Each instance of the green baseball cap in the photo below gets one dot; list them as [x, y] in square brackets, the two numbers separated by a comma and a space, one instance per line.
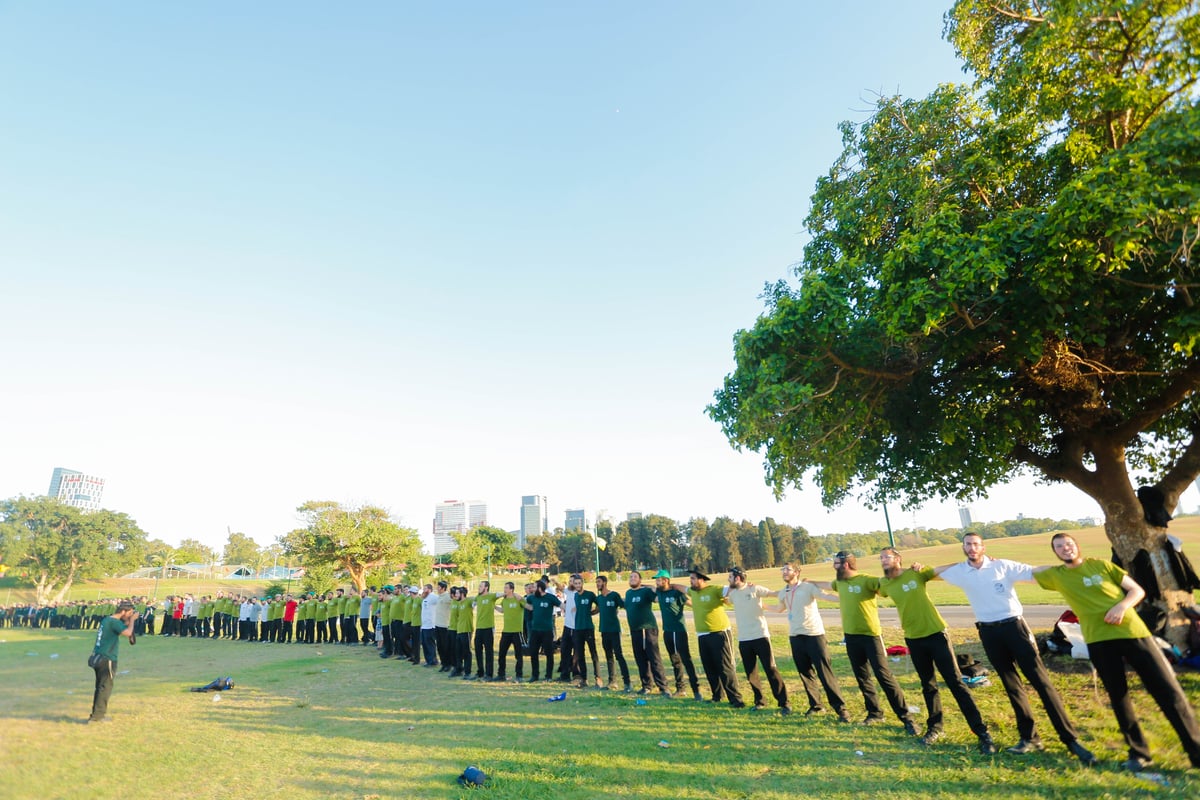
[662, 573]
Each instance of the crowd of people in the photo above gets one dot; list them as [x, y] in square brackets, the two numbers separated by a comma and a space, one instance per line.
[445, 627]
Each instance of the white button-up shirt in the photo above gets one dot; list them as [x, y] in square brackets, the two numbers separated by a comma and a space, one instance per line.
[989, 588]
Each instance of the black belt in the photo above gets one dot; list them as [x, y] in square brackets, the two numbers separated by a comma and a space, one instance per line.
[997, 623]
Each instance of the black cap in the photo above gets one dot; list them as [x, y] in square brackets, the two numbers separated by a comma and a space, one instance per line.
[737, 572]
[696, 571]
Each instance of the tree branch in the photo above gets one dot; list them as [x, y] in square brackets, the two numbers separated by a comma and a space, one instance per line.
[1186, 382]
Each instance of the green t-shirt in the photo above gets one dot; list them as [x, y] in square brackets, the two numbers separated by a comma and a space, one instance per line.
[918, 616]
[455, 608]
[856, 596]
[464, 621]
[585, 604]
[321, 611]
[108, 637]
[1091, 589]
[485, 610]
[414, 610]
[609, 603]
[639, 609]
[708, 609]
[385, 611]
[514, 613]
[671, 604]
[543, 611]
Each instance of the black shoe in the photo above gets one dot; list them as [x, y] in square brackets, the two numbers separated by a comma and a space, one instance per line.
[844, 717]
[1136, 764]
[759, 706]
[873, 720]
[785, 711]
[665, 693]
[737, 704]
[986, 746]
[696, 695]
[910, 728]
[1027, 746]
[813, 711]
[1082, 753]
[931, 736]
[643, 690]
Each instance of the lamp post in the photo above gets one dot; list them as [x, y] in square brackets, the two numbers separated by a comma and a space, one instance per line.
[887, 521]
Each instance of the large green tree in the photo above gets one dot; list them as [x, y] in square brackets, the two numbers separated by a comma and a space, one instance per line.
[241, 549]
[1000, 278]
[350, 539]
[58, 544]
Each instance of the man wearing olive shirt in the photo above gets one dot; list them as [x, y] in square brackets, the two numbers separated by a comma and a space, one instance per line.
[463, 628]
[671, 602]
[385, 622]
[609, 603]
[512, 623]
[415, 599]
[929, 647]
[541, 628]
[864, 641]
[714, 639]
[484, 605]
[643, 630]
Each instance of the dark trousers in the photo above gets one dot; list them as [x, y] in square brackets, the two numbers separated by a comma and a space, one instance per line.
[364, 627]
[285, 630]
[512, 640]
[310, 628]
[1010, 645]
[105, 671]
[566, 663]
[585, 638]
[811, 656]
[752, 653]
[387, 639]
[429, 639]
[443, 647]
[485, 659]
[541, 642]
[716, 655]
[866, 656]
[935, 651]
[462, 653]
[680, 654]
[331, 634]
[1110, 659]
[648, 658]
[611, 642]
[414, 643]
[349, 632]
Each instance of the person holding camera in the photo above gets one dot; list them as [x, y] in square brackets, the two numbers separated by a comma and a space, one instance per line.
[104, 655]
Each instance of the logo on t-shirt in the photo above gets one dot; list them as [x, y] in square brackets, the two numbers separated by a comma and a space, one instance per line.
[999, 587]
[852, 589]
[911, 586]
[1093, 580]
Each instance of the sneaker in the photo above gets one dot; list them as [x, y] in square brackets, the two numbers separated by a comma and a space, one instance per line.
[472, 677]
[518, 679]
[583, 684]
[696, 695]
[813, 711]
[735, 704]
[1136, 764]
[643, 690]
[600, 684]
[785, 711]
[986, 746]
[628, 688]
[910, 727]
[844, 717]
[1082, 753]
[931, 736]
[1026, 746]
[680, 693]
[873, 720]
[759, 706]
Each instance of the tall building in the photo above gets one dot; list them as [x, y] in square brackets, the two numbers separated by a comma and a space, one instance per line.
[632, 515]
[964, 517]
[575, 521]
[533, 518]
[76, 489]
[455, 516]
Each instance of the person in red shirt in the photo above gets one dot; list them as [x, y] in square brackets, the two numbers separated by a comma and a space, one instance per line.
[289, 617]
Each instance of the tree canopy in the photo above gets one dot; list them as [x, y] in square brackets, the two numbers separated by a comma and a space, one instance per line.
[351, 539]
[999, 277]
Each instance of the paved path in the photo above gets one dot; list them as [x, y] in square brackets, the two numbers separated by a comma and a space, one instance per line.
[1040, 618]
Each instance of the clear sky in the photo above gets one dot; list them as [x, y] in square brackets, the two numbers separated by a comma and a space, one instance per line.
[398, 253]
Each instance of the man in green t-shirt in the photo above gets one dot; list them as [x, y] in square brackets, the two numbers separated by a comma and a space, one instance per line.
[714, 639]
[864, 641]
[671, 602]
[512, 622]
[643, 631]
[104, 655]
[929, 647]
[610, 631]
[585, 634]
[484, 605]
[541, 627]
[1103, 596]
[464, 626]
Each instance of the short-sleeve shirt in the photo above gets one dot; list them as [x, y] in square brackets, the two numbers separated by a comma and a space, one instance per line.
[804, 616]
[639, 609]
[989, 589]
[609, 603]
[748, 611]
[585, 601]
[485, 610]
[514, 613]
[1091, 589]
[108, 638]
[708, 609]
[671, 603]
[918, 616]
[856, 597]
[543, 611]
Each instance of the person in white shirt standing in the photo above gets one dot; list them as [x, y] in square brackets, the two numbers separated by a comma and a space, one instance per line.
[754, 639]
[806, 635]
[566, 664]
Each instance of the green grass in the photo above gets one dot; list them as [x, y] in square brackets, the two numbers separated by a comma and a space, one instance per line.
[327, 721]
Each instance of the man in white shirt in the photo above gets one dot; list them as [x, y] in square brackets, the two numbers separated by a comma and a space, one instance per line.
[754, 639]
[806, 635]
[429, 640]
[566, 664]
[1009, 644]
[441, 625]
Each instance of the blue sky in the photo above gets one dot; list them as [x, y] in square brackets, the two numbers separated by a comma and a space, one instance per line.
[256, 254]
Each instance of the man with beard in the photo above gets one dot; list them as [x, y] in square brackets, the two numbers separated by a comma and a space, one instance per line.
[754, 639]
[429, 636]
[714, 640]
[541, 628]
[806, 635]
[512, 623]
[643, 630]
[608, 604]
[671, 602]
[929, 647]
[585, 634]
[864, 641]
[1009, 644]
[441, 624]
[566, 663]
[484, 605]
[1103, 596]
[104, 656]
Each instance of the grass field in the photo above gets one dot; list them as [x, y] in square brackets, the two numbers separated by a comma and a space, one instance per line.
[330, 721]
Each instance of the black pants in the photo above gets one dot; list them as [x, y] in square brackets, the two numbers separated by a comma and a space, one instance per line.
[611, 642]
[414, 643]
[484, 643]
[364, 627]
[811, 656]
[648, 658]
[512, 640]
[310, 628]
[332, 632]
[681, 659]
[1010, 645]
[716, 655]
[566, 663]
[1110, 658]
[285, 630]
[541, 642]
[585, 637]
[387, 639]
[866, 656]
[429, 641]
[443, 647]
[935, 651]
[105, 672]
[753, 652]
[462, 653]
